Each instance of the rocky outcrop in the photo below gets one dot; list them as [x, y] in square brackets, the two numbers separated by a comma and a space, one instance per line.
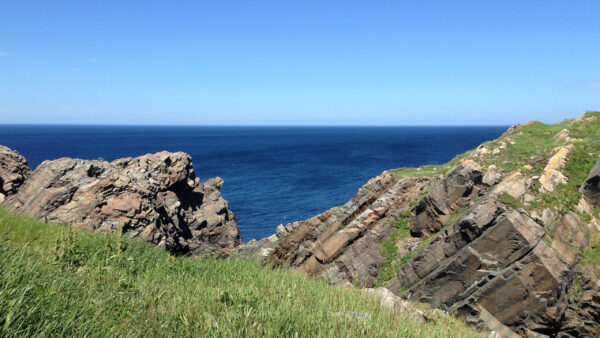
[343, 245]
[492, 241]
[156, 197]
[591, 186]
[459, 187]
[13, 172]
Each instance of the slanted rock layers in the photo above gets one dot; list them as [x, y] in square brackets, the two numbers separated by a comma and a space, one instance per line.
[342, 245]
[156, 197]
[504, 239]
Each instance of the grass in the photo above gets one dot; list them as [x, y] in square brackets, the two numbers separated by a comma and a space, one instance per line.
[510, 201]
[591, 255]
[390, 250]
[60, 282]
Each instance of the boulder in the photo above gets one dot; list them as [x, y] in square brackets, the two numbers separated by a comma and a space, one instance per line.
[156, 197]
[13, 172]
[591, 186]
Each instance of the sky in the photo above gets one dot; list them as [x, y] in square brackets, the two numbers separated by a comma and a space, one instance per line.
[298, 62]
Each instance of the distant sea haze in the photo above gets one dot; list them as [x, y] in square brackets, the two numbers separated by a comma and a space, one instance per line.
[272, 175]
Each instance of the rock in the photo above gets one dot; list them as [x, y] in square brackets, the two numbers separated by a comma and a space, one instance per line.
[343, 244]
[591, 186]
[458, 188]
[492, 176]
[156, 197]
[488, 280]
[13, 172]
[552, 175]
[515, 184]
[389, 300]
[353, 315]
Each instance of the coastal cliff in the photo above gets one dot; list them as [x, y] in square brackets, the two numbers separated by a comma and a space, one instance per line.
[155, 197]
[504, 236]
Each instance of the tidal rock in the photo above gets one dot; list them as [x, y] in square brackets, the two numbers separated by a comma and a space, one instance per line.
[13, 172]
[591, 186]
[156, 197]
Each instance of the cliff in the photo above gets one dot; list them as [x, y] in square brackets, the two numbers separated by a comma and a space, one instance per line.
[155, 197]
[504, 236]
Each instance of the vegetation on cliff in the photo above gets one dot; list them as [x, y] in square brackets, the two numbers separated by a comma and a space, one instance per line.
[60, 282]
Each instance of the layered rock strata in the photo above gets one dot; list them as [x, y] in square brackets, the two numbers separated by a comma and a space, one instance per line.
[473, 251]
[342, 245]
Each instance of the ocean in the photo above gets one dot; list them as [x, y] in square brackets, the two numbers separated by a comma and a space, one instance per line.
[272, 175]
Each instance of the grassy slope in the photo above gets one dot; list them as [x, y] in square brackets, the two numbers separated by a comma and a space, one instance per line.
[49, 287]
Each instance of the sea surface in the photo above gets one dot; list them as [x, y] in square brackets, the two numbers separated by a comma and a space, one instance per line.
[272, 175]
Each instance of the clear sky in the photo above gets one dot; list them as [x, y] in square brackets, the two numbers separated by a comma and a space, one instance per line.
[298, 62]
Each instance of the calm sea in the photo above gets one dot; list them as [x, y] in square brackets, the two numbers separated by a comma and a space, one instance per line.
[272, 175]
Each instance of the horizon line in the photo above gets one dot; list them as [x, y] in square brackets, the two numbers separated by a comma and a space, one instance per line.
[244, 125]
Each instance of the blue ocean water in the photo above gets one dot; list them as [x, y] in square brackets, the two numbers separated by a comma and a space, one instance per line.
[272, 175]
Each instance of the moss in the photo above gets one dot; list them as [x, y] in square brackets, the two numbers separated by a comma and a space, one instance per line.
[510, 201]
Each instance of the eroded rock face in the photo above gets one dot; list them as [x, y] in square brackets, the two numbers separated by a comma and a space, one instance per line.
[458, 188]
[13, 172]
[343, 245]
[591, 186]
[156, 197]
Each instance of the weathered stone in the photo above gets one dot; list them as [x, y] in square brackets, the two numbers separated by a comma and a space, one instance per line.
[13, 172]
[591, 186]
[343, 245]
[492, 176]
[156, 197]
[552, 175]
[458, 188]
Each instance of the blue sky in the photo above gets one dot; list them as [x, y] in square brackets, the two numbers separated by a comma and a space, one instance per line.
[298, 62]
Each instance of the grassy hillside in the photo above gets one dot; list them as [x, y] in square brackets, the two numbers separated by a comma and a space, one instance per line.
[60, 282]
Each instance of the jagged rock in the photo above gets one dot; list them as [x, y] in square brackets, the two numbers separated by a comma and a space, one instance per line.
[491, 278]
[582, 317]
[591, 186]
[13, 172]
[458, 188]
[156, 197]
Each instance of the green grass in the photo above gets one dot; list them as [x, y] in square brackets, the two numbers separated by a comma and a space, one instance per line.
[56, 282]
[510, 201]
[426, 170]
[390, 250]
[591, 255]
